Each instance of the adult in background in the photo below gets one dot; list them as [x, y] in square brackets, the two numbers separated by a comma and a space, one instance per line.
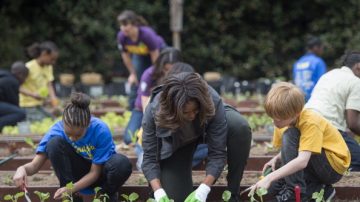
[38, 86]
[308, 69]
[81, 150]
[139, 45]
[336, 96]
[10, 112]
[183, 112]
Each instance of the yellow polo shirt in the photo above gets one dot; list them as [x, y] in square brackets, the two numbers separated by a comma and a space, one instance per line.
[316, 134]
[37, 81]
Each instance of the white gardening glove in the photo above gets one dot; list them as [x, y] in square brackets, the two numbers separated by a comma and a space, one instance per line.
[199, 195]
[160, 196]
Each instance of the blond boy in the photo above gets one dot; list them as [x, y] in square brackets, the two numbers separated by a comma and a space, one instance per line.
[312, 152]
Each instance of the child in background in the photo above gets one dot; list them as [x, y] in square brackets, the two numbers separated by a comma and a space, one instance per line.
[313, 153]
[38, 85]
[81, 150]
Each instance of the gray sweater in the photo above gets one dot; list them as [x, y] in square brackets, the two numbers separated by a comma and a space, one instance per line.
[158, 145]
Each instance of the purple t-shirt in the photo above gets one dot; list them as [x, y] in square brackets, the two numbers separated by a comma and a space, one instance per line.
[145, 87]
[147, 41]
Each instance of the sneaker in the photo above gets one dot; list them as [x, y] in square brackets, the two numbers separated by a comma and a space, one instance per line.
[287, 194]
[329, 193]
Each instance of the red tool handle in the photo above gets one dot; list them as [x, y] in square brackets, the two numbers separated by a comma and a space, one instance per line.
[297, 193]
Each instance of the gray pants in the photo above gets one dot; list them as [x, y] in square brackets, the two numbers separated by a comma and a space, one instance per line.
[317, 173]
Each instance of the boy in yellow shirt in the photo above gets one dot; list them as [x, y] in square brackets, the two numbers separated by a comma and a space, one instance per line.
[313, 153]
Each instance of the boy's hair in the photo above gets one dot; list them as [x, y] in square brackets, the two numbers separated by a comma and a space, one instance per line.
[284, 101]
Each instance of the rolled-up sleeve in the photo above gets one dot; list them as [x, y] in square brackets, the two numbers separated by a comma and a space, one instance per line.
[216, 133]
[150, 165]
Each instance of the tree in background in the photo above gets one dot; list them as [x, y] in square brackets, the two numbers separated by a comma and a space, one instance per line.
[249, 39]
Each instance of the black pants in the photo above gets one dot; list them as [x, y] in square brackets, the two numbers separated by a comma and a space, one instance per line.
[176, 171]
[71, 167]
[317, 173]
[10, 114]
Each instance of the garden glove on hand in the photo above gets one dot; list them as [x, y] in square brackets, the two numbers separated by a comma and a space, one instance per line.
[160, 196]
[199, 195]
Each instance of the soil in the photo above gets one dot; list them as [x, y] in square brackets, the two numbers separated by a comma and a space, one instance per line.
[48, 178]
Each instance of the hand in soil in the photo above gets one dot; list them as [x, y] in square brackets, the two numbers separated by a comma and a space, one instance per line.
[59, 193]
[263, 183]
[19, 178]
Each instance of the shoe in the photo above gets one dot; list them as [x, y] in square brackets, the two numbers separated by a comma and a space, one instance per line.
[287, 194]
[329, 193]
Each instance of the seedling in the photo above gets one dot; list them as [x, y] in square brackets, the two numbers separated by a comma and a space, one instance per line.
[8, 180]
[131, 198]
[133, 136]
[14, 198]
[66, 196]
[98, 196]
[42, 196]
[226, 196]
[260, 192]
[318, 196]
[151, 200]
[30, 142]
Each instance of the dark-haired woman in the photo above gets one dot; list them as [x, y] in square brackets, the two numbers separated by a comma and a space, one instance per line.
[140, 46]
[183, 112]
[38, 85]
[81, 150]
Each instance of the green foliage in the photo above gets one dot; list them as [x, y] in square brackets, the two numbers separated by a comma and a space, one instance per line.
[260, 192]
[42, 196]
[226, 195]
[114, 121]
[130, 198]
[14, 198]
[66, 197]
[29, 141]
[98, 196]
[257, 121]
[247, 39]
[318, 196]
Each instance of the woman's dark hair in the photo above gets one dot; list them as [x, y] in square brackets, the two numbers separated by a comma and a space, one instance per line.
[351, 58]
[77, 112]
[180, 67]
[36, 48]
[167, 56]
[313, 41]
[178, 90]
[128, 16]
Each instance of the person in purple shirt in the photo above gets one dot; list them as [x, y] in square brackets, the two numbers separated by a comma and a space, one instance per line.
[310, 67]
[139, 45]
[150, 78]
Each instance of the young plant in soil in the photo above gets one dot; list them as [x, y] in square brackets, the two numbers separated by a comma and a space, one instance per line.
[133, 136]
[130, 198]
[259, 192]
[68, 197]
[153, 200]
[318, 196]
[14, 198]
[42, 196]
[100, 197]
[226, 196]
[30, 142]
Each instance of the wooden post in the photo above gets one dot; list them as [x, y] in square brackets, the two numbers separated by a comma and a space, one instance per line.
[176, 21]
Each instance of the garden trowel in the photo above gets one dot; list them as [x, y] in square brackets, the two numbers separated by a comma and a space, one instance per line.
[27, 195]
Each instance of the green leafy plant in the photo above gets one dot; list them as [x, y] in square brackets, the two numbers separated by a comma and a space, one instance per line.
[29, 141]
[8, 180]
[260, 192]
[226, 195]
[98, 196]
[66, 197]
[42, 196]
[318, 196]
[151, 200]
[14, 198]
[133, 136]
[130, 198]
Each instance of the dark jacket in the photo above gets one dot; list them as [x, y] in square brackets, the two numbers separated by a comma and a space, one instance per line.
[9, 88]
[157, 142]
